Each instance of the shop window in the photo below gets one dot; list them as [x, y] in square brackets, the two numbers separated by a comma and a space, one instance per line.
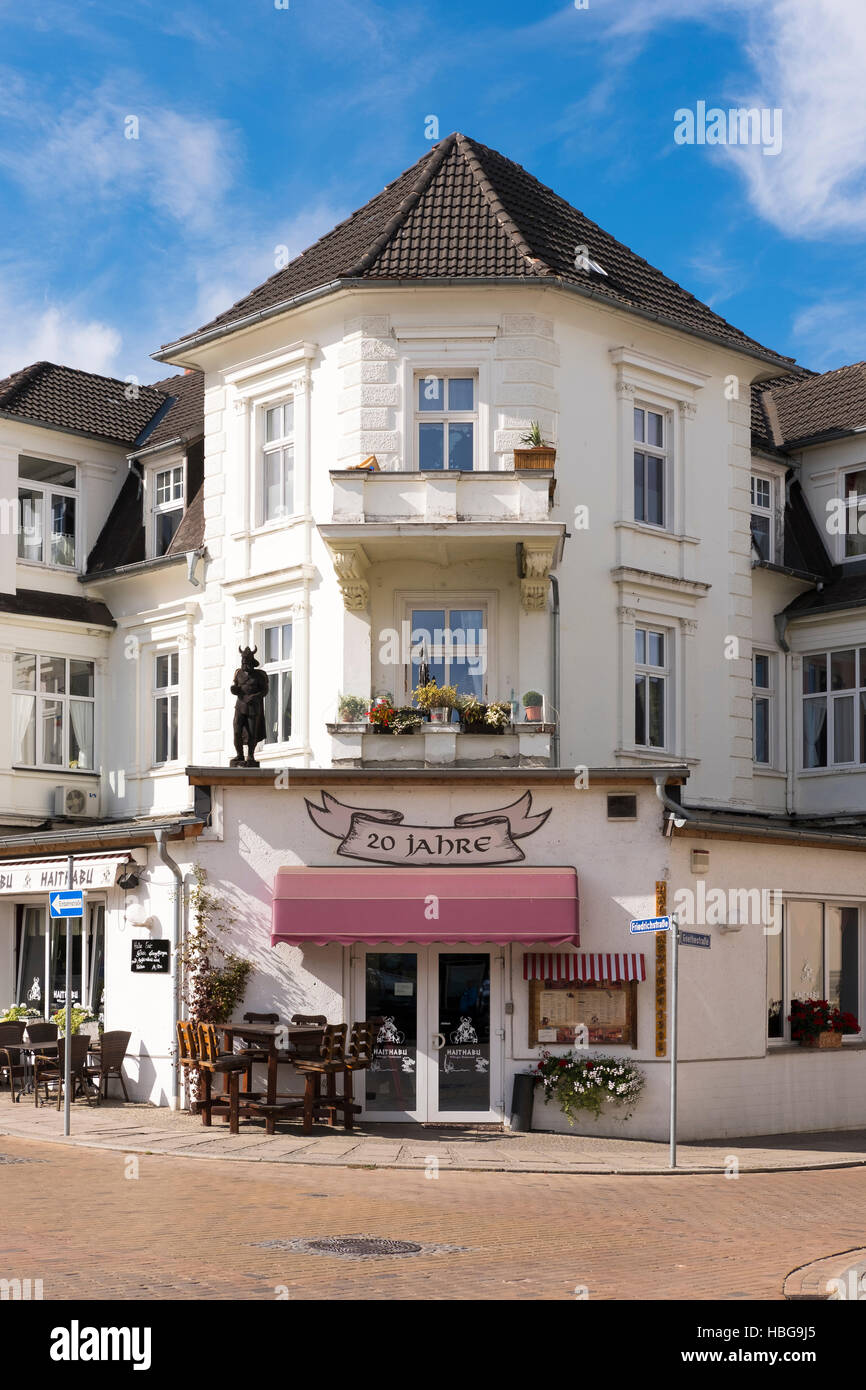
[815, 956]
[47, 502]
[52, 712]
[446, 419]
[560, 1011]
[278, 663]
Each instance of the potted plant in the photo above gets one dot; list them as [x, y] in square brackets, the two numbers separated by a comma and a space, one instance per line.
[381, 714]
[80, 1014]
[436, 700]
[406, 720]
[353, 708]
[498, 716]
[818, 1023]
[578, 1083]
[533, 704]
[536, 452]
[472, 714]
[19, 1013]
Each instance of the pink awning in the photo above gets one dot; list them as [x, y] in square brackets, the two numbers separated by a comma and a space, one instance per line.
[422, 905]
[610, 965]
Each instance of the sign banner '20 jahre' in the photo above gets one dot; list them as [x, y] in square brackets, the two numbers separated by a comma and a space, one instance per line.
[381, 837]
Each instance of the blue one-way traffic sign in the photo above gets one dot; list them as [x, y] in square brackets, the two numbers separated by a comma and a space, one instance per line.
[68, 903]
[650, 924]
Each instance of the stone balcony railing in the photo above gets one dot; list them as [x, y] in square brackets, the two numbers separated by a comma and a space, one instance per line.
[438, 497]
[440, 745]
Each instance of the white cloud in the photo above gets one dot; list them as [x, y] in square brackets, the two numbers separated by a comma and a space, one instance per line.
[832, 330]
[54, 333]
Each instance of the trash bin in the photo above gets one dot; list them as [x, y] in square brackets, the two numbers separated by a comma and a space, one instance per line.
[521, 1102]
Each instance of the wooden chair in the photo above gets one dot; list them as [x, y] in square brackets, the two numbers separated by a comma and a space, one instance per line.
[11, 1059]
[253, 1052]
[211, 1062]
[47, 1069]
[112, 1054]
[359, 1055]
[328, 1065]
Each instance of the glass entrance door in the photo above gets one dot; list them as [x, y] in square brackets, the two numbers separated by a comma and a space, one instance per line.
[437, 1041]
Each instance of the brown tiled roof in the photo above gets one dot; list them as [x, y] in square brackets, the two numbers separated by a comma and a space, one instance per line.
[39, 603]
[184, 417]
[793, 411]
[466, 212]
[80, 402]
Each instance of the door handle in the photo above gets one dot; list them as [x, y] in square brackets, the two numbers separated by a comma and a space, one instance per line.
[438, 1041]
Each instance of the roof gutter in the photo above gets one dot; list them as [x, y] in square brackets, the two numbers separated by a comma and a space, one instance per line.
[169, 351]
[128, 837]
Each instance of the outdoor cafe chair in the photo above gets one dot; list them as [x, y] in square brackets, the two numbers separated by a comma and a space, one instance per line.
[110, 1064]
[12, 1062]
[51, 1069]
[211, 1062]
[330, 1062]
[254, 1052]
[41, 1032]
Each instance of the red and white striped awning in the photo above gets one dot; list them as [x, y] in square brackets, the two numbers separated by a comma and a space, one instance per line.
[611, 966]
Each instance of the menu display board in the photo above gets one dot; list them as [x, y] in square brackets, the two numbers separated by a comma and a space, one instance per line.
[151, 956]
[558, 1009]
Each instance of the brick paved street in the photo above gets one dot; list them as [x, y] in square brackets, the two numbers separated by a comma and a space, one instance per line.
[187, 1228]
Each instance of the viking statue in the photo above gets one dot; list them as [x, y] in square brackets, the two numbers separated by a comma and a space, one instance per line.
[250, 684]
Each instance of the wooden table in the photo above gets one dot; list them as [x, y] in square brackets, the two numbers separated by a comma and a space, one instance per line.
[267, 1035]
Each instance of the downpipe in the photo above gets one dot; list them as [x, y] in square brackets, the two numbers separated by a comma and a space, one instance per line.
[554, 644]
[165, 857]
[678, 814]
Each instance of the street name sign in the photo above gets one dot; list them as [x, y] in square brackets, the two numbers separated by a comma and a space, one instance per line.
[639, 924]
[696, 938]
[66, 904]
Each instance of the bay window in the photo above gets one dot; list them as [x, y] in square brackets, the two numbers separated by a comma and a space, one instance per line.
[52, 712]
[47, 502]
[834, 708]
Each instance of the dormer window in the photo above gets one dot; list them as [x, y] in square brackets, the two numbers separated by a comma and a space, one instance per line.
[168, 499]
[762, 513]
[47, 502]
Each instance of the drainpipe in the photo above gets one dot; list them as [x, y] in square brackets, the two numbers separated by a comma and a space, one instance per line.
[159, 836]
[679, 815]
[554, 615]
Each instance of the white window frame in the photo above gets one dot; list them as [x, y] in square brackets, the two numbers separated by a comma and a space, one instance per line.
[663, 673]
[278, 668]
[830, 696]
[46, 490]
[168, 695]
[267, 447]
[826, 905]
[407, 600]
[854, 514]
[41, 697]
[445, 417]
[456, 351]
[173, 503]
[769, 512]
[663, 453]
[767, 693]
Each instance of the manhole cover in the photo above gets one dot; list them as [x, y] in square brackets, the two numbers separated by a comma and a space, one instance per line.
[356, 1247]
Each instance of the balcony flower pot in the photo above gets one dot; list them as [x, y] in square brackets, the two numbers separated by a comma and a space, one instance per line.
[442, 715]
[543, 456]
[533, 704]
[828, 1038]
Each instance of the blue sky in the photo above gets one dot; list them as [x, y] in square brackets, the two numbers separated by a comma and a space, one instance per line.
[262, 126]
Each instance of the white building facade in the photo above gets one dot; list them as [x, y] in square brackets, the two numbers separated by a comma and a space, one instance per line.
[333, 481]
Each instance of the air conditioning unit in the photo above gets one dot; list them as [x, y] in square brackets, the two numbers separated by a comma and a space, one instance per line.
[76, 801]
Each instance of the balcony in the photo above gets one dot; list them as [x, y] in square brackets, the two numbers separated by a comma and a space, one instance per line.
[440, 745]
[442, 518]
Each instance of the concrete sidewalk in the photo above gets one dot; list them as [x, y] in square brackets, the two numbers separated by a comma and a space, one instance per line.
[141, 1128]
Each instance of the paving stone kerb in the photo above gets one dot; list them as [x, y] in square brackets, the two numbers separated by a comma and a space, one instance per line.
[140, 1128]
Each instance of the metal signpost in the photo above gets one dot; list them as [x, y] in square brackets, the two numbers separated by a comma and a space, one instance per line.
[656, 924]
[67, 904]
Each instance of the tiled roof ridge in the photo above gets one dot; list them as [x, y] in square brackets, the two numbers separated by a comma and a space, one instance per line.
[466, 147]
[12, 384]
[435, 158]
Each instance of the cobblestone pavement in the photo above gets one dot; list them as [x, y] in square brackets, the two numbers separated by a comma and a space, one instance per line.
[140, 1128]
[96, 1224]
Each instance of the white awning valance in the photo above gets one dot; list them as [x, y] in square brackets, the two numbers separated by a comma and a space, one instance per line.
[583, 965]
[89, 871]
